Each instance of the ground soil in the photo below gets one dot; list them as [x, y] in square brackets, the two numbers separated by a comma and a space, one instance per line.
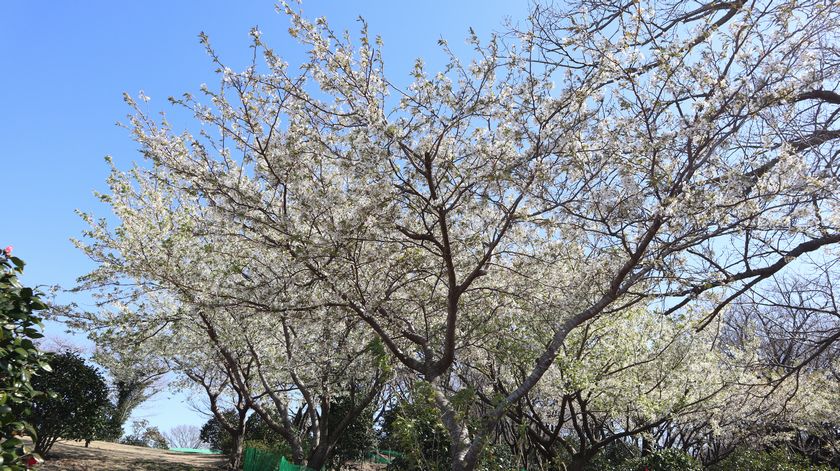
[105, 456]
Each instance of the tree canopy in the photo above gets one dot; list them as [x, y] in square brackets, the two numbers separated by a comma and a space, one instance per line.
[328, 233]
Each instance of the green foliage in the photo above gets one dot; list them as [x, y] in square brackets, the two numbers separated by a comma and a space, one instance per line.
[663, 460]
[614, 456]
[109, 427]
[256, 429]
[75, 406]
[779, 459]
[20, 359]
[214, 434]
[258, 435]
[131, 389]
[274, 447]
[414, 429]
[358, 440]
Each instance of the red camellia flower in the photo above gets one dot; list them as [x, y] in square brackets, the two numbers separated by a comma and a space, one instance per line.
[32, 461]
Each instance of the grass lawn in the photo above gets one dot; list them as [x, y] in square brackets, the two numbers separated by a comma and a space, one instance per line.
[73, 456]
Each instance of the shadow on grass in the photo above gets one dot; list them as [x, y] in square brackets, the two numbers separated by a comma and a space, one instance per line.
[149, 465]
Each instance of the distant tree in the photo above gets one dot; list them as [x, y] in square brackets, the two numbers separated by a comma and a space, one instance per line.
[20, 359]
[214, 433]
[135, 377]
[107, 429]
[134, 370]
[184, 436]
[127, 396]
[257, 429]
[75, 405]
[228, 404]
[144, 435]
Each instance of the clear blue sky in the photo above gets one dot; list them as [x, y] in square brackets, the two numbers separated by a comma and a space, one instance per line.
[65, 65]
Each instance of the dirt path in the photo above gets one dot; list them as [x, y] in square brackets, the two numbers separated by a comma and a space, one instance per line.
[105, 456]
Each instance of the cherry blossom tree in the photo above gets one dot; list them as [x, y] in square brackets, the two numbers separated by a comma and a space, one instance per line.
[243, 353]
[616, 379]
[604, 156]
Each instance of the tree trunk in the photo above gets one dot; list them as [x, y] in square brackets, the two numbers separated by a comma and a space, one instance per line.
[579, 462]
[461, 460]
[647, 446]
[235, 459]
[43, 443]
[318, 457]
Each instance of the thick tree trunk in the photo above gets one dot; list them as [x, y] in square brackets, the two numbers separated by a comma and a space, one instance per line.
[238, 436]
[579, 462]
[235, 459]
[459, 438]
[318, 457]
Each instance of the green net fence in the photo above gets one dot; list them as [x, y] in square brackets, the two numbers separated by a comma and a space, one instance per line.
[200, 451]
[383, 456]
[286, 466]
[258, 460]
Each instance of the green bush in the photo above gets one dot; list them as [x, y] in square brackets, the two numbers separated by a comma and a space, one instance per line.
[75, 405]
[258, 435]
[275, 447]
[414, 428]
[357, 441]
[262, 437]
[20, 359]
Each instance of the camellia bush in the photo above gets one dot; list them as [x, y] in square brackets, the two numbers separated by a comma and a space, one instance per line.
[20, 359]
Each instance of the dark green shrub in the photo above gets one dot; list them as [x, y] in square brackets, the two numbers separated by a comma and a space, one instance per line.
[75, 406]
[216, 436]
[260, 436]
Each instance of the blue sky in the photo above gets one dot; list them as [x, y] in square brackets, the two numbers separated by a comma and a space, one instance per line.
[65, 65]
